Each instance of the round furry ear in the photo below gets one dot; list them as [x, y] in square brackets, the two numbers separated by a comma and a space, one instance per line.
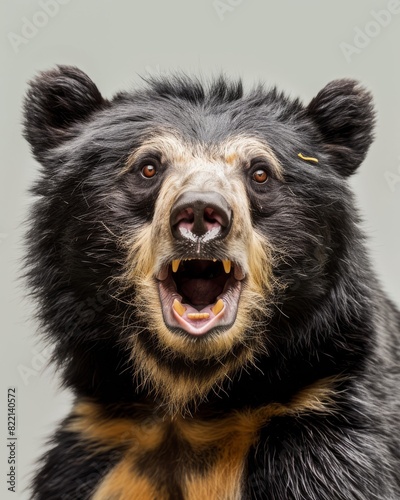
[344, 114]
[56, 100]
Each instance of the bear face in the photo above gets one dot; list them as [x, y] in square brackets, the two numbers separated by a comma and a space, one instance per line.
[217, 227]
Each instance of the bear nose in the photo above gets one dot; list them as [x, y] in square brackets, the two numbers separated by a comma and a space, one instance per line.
[198, 213]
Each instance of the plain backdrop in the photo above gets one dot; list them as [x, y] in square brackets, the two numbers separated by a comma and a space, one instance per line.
[299, 46]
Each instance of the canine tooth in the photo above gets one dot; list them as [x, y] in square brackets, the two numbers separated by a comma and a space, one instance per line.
[197, 316]
[179, 308]
[218, 307]
[175, 265]
[227, 266]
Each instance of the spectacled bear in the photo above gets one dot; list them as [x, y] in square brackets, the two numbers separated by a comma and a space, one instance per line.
[199, 268]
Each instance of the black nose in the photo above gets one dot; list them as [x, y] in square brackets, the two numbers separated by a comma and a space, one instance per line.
[197, 213]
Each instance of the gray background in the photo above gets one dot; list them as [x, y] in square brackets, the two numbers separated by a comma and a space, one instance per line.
[296, 45]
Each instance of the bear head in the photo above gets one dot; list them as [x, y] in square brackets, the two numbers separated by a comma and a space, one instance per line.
[184, 231]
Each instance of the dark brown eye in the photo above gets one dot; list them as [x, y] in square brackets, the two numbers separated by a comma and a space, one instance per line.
[149, 171]
[260, 176]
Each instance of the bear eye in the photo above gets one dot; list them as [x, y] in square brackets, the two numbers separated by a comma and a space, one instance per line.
[260, 176]
[149, 171]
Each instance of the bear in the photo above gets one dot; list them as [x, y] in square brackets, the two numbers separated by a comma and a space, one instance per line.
[196, 255]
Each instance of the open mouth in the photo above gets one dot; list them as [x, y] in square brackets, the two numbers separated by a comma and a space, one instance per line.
[200, 295]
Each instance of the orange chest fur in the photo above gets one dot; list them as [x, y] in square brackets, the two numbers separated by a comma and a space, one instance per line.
[188, 458]
[198, 459]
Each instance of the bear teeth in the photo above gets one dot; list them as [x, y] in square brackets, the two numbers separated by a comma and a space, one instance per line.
[227, 266]
[218, 307]
[175, 265]
[226, 263]
[198, 316]
[179, 308]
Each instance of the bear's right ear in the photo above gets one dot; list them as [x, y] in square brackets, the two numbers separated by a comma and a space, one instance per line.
[55, 101]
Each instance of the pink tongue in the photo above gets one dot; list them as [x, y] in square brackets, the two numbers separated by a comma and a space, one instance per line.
[201, 292]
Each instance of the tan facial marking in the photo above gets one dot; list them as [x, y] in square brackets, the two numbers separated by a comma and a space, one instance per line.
[168, 146]
[242, 149]
[231, 158]
[199, 167]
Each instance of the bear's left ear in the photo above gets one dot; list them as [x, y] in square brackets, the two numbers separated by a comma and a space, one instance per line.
[56, 100]
[344, 114]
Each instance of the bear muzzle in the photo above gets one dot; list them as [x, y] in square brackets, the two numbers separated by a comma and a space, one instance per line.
[200, 293]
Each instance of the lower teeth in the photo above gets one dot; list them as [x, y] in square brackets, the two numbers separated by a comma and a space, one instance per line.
[218, 307]
[179, 308]
[197, 316]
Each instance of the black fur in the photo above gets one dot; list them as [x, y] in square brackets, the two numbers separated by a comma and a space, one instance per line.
[333, 318]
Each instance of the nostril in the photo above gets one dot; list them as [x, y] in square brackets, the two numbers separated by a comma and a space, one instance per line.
[212, 220]
[211, 216]
[185, 219]
[186, 215]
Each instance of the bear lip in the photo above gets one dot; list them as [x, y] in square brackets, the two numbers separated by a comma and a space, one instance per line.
[199, 295]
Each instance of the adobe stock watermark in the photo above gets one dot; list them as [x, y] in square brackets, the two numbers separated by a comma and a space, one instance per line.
[31, 27]
[392, 178]
[223, 7]
[84, 314]
[372, 29]
[39, 360]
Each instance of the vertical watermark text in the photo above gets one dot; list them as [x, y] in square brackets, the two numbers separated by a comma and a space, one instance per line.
[11, 439]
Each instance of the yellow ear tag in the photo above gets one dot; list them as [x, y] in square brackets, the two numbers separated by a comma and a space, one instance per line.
[308, 158]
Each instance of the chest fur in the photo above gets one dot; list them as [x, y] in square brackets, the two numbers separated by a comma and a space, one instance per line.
[181, 458]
